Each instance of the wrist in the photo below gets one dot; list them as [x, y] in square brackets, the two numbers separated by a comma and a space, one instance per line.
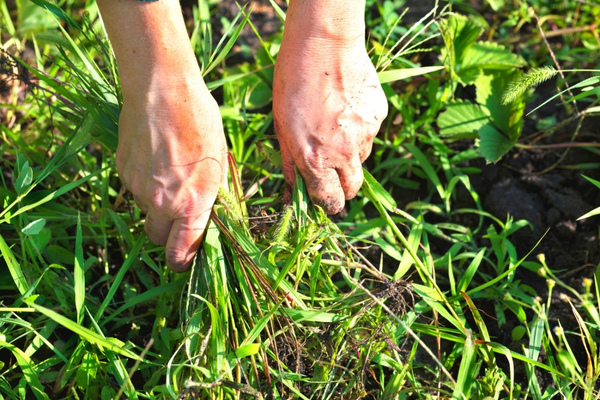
[158, 78]
[165, 91]
[335, 21]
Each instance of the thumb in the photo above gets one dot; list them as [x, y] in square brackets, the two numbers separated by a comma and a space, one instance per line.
[184, 240]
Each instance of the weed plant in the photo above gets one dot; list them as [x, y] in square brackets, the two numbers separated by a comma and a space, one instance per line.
[385, 302]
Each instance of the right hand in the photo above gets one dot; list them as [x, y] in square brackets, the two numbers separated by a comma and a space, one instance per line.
[172, 156]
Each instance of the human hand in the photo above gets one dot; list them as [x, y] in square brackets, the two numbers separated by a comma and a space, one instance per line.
[328, 104]
[172, 157]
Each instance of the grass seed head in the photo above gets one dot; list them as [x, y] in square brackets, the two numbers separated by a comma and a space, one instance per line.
[531, 79]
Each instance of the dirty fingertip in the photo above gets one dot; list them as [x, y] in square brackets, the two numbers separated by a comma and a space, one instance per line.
[330, 204]
[182, 245]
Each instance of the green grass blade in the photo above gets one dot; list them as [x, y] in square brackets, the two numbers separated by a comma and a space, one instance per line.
[467, 371]
[382, 195]
[57, 193]
[280, 13]
[397, 74]
[464, 282]
[148, 295]
[436, 301]
[509, 356]
[217, 341]
[260, 326]
[586, 82]
[227, 48]
[57, 11]
[533, 352]
[41, 337]
[79, 273]
[131, 257]
[118, 368]
[29, 373]
[414, 240]
[426, 166]
[83, 332]
[13, 267]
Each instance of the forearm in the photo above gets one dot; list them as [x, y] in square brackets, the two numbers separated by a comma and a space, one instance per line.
[150, 42]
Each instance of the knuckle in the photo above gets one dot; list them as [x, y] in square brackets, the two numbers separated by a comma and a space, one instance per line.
[157, 199]
[313, 160]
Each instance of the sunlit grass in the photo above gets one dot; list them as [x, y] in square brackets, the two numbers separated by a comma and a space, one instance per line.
[280, 302]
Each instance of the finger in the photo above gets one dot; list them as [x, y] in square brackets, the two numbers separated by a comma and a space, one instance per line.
[184, 240]
[351, 178]
[365, 150]
[157, 227]
[324, 189]
[141, 205]
[289, 170]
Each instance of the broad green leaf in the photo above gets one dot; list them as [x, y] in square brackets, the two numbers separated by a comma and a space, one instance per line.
[533, 352]
[389, 249]
[493, 144]
[462, 119]
[87, 370]
[24, 179]
[459, 33]
[496, 4]
[35, 227]
[310, 315]
[508, 118]
[487, 55]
